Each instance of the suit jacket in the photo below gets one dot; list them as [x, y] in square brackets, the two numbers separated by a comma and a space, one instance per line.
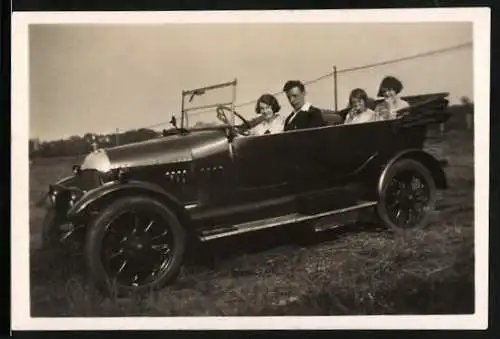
[309, 118]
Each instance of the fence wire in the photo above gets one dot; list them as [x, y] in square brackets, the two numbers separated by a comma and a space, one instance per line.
[345, 70]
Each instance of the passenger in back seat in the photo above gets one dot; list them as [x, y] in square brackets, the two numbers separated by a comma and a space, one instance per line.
[388, 109]
[358, 108]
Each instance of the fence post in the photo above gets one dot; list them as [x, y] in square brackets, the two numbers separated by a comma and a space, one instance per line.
[335, 87]
[117, 137]
[233, 101]
[182, 109]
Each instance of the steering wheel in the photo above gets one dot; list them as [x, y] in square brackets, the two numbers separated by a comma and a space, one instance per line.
[221, 115]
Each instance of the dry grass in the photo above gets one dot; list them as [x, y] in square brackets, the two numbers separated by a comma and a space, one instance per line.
[362, 270]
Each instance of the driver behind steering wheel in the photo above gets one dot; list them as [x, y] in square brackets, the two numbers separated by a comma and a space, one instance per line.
[268, 107]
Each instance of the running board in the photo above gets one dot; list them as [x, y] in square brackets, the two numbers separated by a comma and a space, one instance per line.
[262, 224]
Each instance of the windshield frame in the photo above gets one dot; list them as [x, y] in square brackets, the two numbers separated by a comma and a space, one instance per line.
[202, 90]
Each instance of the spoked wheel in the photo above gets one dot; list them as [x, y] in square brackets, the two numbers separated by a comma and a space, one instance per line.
[136, 244]
[407, 197]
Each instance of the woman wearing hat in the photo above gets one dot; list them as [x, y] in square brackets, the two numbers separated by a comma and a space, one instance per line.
[389, 89]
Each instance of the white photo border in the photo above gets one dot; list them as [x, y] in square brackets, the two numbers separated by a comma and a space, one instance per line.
[21, 318]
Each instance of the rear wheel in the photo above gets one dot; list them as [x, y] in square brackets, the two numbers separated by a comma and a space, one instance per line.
[136, 244]
[408, 196]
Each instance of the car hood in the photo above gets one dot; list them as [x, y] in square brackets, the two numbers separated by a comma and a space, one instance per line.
[169, 149]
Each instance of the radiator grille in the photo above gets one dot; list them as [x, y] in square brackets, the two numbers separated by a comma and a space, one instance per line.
[90, 179]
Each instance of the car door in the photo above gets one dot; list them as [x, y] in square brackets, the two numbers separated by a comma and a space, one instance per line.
[308, 164]
[323, 156]
[260, 164]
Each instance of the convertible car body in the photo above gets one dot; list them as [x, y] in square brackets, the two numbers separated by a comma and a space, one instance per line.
[134, 208]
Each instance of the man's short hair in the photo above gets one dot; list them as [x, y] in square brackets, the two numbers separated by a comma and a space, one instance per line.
[293, 83]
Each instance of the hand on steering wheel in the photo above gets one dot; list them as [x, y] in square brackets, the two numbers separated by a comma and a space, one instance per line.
[221, 115]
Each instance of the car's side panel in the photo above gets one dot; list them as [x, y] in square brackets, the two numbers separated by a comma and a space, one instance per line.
[260, 166]
[268, 207]
[327, 156]
[213, 174]
[238, 212]
[318, 167]
[404, 138]
[179, 179]
[205, 180]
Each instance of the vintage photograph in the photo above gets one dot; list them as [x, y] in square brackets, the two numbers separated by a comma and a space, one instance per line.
[253, 168]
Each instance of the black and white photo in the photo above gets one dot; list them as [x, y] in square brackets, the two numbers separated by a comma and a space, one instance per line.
[274, 169]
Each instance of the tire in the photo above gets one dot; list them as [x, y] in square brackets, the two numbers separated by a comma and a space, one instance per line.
[104, 227]
[400, 169]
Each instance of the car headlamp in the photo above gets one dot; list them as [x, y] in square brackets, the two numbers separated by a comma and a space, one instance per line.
[76, 169]
[52, 194]
[73, 197]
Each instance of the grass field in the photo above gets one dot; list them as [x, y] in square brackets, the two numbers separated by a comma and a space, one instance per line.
[361, 270]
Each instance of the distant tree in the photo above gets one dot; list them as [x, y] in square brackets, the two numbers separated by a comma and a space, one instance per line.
[78, 145]
[464, 100]
[469, 107]
[34, 147]
[88, 136]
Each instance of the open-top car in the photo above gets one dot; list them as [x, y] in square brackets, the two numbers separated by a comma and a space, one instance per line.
[135, 208]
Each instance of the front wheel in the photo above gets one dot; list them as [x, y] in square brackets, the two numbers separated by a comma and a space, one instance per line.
[136, 244]
[407, 197]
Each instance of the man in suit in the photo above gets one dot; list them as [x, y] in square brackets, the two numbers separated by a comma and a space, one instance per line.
[304, 115]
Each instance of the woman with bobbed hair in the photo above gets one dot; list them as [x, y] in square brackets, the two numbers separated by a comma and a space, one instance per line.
[389, 89]
[268, 107]
[358, 108]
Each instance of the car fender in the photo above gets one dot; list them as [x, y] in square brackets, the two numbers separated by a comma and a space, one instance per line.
[66, 180]
[423, 157]
[113, 189]
[60, 185]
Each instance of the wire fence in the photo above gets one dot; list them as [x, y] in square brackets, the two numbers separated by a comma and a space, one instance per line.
[329, 75]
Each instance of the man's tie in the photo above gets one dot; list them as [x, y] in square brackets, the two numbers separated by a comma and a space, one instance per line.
[291, 121]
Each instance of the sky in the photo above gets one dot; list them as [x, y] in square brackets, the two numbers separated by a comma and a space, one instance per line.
[99, 78]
